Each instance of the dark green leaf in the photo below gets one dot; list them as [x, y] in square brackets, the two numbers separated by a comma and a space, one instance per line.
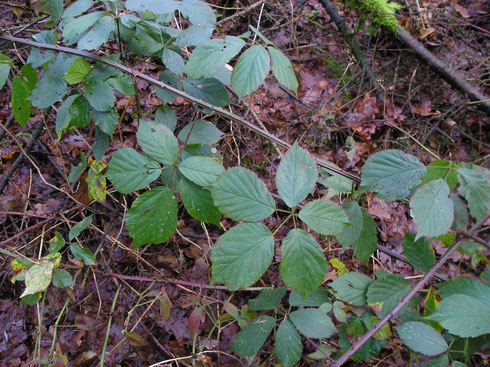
[76, 171]
[475, 188]
[249, 340]
[21, 107]
[171, 79]
[460, 212]
[313, 323]
[123, 84]
[106, 121]
[193, 36]
[62, 278]
[419, 253]
[158, 141]
[83, 254]
[155, 6]
[210, 90]
[314, 298]
[467, 286]
[250, 70]
[79, 227]
[38, 57]
[49, 90]
[288, 344]
[56, 243]
[198, 202]
[101, 144]
[198, 12]
[98, 35]
[268, 299]
[352, 288]
[173, 61]
[81, 24]
[166, 115]
[203, 171]
[282, 69]
[5, 64]
[199, 132]
[64, 115]
[100, 96]
[387, 291]
[324, 217]
[421, 338]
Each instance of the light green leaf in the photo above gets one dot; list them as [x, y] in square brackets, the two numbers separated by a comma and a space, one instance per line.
[5, 64]
[387, 291]
[249, 340]
[198, 12]
[242, 255]
[155, 6]
[392, 173]
[199, 132]
[241, 195]
[210, 90]
[194, 35]
[361, 236]
[282, 69]
[62, 278]
[131, 171]
[463, 315]
[30, 75]
[288, 344]
[312, 323]
[419, 253]
[475, 188]
[208, 57]
[296, 176]
[250, 70]
[198, 202]
[100, 96]
[81, 113]
[106, 121]
[79, 227]
[49, 90]
[432, 209]
[77, 71]
[98, 35]
[76, 26]
[421, 338]
[352, 288]
[21, 107]
[467, 286]
[442, 169]
[122, 83]
[314, 298]
[166, 115]
[173, 61]
[38, 277]
[303, 265]
[152, 217]
[268, 299]
[203, 171]
[324, 217]
[158, 141]
[77, 8]
[82, 253]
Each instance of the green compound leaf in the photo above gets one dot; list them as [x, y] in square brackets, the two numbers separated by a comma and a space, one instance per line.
[392, 173]
[62, 278]
[100, 96]
[250, 70]
[313, 323]
[210, 90]
[208, 57]
[352, 288]
[77, 71]
[38, 277]
[242, 255]
[421, 338]
[249, 340]
[21, 106]
[467, 286]
[82, 253]
[241, 195]
[76, 26]
[296, 176]
[419, 253]
[268, 299]
[442, 169]
[475, 188]
[203, 171]
[324, 217]
[79, 227]
[49, 90]
[152, 217]
[314, 298]
[361, 236]
[199, 132]
[288, 344]
[303, 265]
[432, 209]
[463, 315]
[158, 141]
[131, 171]
[98, 35]
[388, 291]
[282, 69]
[198, 202]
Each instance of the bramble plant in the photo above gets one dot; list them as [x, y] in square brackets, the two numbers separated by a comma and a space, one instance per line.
[188, 168]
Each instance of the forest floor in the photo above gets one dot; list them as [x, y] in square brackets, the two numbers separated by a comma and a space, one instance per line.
[335, 115]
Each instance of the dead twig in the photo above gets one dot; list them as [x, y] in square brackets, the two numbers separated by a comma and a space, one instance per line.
[240, 13]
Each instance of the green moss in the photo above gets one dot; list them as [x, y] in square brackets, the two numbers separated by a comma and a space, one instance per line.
[380, 12]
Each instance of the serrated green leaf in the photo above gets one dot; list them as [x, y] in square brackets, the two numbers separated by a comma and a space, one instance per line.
[81, 113]
[98, 35]
[56, 243]
[463, 315]
[303, 264]
[282, 69]
[421, 338]
[242, 255]
[361, 236]
[173, 61]
[152, 217]
[100, 96]
[249, 340]
[77, 71]
[64, 115]
[442, 169]
[352, 288]
[241, 195]
[419, 253]
[5, 64]
[77, 8]
[288, 344]
[268, 299]
[392, 173]
[199, 132]
[82, 253]
[21, 107]
[171, 79]
[76, 171]
[166, 115]
[38, 277]
[210, 90]
[170, 177]
[79, 227]
[296, 176]
[131, 171]
[158, 141]
[198, 12]
[324, 217]
[38, 57]
[460, 212]
[250, 70]
[467, 286]
[62, 278]
[194, 35]
[155, 6]
[432, 209]
[388, 291]
[30, 75]
[106, 121]
[49, 90]
[208, 57]
[147, 42]
[198, 202]
[441, 361]
[312, 323]
[123, 84]
[81, 24]
[475, 188]
[203, 171]
[314, 298]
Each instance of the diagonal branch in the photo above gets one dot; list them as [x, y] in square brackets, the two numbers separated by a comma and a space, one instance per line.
[87, 55]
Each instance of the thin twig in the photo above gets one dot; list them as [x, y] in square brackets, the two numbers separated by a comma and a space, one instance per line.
[240, 13]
